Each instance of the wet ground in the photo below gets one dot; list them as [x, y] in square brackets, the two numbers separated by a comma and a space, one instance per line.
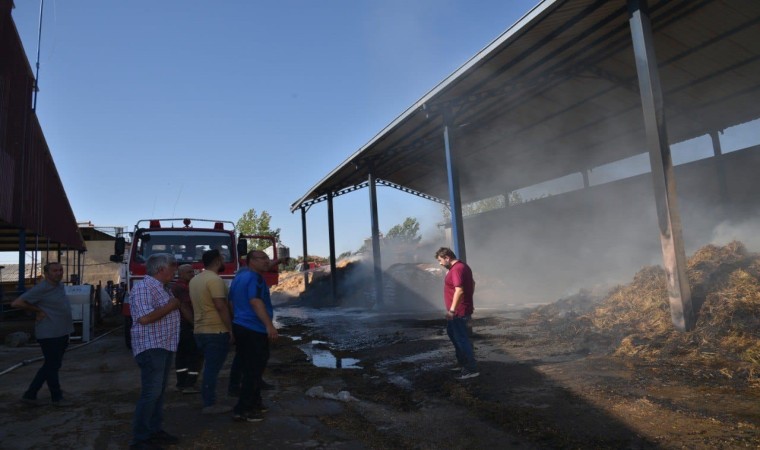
[534, 392]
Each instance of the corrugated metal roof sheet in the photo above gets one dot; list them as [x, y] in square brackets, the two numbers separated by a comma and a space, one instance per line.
[557, 93]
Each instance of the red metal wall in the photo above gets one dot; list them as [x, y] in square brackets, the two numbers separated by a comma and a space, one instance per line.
[31, 193]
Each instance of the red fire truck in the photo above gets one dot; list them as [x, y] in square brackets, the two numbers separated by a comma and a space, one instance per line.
[187, 243]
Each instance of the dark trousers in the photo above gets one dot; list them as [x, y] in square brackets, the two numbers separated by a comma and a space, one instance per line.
[236, 375]
[53, 350]
[189, 358]
[253, 354]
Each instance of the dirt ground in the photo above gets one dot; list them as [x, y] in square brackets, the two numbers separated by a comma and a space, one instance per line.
[535, 391]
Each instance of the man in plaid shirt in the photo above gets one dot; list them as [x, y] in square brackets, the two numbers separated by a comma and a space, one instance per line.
[155, 335]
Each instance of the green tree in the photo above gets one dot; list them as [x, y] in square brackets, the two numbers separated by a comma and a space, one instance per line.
[485, 205]
[407, 232]
[253, 223]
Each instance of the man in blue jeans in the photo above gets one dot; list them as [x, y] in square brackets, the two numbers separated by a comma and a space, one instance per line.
[458, 290]
[212, 327]
[155, 335]
[53, 324]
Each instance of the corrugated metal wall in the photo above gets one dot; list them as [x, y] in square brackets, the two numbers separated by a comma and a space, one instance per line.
[32, 196]
[542, 250]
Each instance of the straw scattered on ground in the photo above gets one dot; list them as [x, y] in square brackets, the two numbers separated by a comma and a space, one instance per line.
[634, 321]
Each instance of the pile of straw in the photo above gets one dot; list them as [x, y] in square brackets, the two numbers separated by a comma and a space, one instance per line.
[725, 284]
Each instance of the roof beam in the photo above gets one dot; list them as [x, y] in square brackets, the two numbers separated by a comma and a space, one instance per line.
[412, 191]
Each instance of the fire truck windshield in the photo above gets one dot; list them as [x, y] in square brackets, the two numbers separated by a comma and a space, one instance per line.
[187, 246]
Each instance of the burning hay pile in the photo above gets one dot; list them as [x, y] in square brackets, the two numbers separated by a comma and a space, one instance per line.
[290, 283]
[635, 318]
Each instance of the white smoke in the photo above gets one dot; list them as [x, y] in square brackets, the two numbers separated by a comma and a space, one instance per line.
[747, 232]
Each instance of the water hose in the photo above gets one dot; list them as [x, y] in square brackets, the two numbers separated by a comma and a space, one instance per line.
[26, 362]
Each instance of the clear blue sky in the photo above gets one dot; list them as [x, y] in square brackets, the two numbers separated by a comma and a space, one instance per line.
[206, 109]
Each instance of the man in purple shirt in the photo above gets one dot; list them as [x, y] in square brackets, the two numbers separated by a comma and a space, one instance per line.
[155, 335]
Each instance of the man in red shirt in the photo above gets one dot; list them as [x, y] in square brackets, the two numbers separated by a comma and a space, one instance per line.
[189, 358]
[458, 289]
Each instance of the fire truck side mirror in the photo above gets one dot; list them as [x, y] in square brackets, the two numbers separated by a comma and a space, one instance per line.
[118, 247]
[242, 247]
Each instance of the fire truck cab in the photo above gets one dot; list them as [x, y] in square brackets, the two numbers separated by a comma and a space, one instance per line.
[187, 243]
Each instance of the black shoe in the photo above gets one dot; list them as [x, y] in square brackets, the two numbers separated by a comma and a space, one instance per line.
[266, 386]
[248, 417]
[261, 408]
[163, 438]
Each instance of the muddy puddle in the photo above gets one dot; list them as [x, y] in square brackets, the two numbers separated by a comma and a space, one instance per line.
[320, 355]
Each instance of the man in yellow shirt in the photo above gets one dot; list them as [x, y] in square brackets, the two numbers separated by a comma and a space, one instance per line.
[213, 325]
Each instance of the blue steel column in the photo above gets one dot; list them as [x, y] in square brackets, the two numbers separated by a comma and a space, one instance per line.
[663, 176]
[305, 266]
[21, 260]
[457, 226]
[331, 233]
[375, 240]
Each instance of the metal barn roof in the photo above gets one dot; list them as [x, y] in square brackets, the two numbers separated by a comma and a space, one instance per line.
[557, 93]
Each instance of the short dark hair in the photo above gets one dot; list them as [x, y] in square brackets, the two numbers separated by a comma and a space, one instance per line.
[210, 256]
[252, 255]
[444, 252]
[46, 267]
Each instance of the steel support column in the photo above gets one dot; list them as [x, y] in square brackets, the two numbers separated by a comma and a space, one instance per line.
[376, 256]
[305, 265]
[21, 261]
[331, 234]
[81, 266]
[720, 169]
[671, 239]
[455, 201]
